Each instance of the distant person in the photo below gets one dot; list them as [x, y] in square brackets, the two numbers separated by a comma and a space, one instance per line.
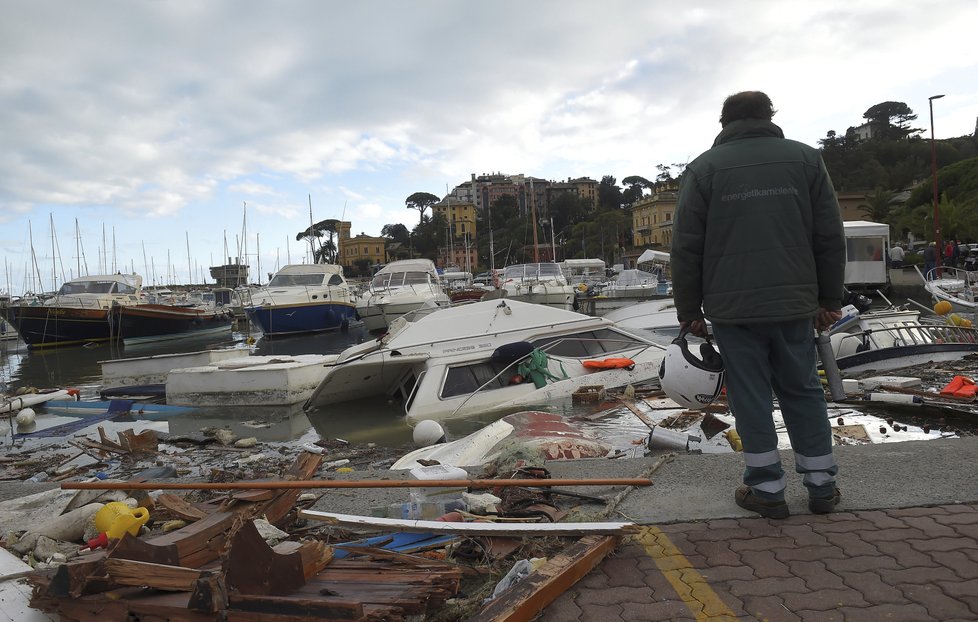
[759, 249]
[955, 252]
[949, 250]
[930, 258]
[896, 256]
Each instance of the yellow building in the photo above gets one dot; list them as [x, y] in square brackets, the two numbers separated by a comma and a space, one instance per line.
[351, 249]
[459, 214]
[652, 219]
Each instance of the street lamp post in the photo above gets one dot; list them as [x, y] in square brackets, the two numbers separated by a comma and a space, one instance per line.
[933, 171]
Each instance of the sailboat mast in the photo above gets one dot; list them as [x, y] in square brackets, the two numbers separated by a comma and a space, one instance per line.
[312, 247]
[536, 245]
[54, 259]
[190, 268]
[77, 249]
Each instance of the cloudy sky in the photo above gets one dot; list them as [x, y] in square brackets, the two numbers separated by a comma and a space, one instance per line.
[156, 121]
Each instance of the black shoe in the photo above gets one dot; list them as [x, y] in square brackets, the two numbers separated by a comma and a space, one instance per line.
[824, 505]
[745, 498]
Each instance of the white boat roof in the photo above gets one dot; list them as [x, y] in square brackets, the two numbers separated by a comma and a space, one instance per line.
[410, 265]
[132, 280]
[651, 255]
[489, 318]
[862, 228]
[311, 268]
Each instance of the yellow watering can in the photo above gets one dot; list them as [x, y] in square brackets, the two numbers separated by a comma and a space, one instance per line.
[116, 518]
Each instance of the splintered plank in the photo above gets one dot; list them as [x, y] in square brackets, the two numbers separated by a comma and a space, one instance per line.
[527, 598]
[179, 507]
[157, 576]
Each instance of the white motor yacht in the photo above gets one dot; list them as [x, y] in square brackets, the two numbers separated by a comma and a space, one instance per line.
[302, 298]
[398, 288]
[540, 283]
[486, 356]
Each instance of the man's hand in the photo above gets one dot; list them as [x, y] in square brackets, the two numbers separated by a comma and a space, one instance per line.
[697, 327]
[825, 318]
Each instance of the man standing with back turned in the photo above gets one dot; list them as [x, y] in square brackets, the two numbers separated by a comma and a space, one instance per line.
[759, 249]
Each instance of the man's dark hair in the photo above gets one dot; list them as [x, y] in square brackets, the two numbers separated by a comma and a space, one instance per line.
[746, 105]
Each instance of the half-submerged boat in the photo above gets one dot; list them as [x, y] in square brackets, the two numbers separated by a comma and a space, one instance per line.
[400, 287]
[303, 298]
[77, 314]
[486, 356]
[954, 285]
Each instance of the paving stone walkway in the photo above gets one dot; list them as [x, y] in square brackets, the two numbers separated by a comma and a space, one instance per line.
[914, 564]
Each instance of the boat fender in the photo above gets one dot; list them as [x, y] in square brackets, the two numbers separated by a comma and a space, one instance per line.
[610, 363]
[75, 393]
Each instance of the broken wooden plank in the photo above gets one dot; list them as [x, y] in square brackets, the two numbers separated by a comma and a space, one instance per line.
[523, 601]
[179, 507]
[253, 568]
[144, 442]
[473, 528]
[157, 576]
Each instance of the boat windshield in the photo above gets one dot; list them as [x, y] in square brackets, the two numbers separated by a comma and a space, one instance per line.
[588, 343]
[88, 287]
[532, 272]
[293, 280]
[398, 279]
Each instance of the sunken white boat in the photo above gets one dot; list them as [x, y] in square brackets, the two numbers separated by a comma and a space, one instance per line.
[486, 356]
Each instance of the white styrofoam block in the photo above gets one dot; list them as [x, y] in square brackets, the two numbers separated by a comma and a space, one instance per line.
[904, 382]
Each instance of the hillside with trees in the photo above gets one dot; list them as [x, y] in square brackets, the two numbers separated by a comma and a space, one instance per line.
[895, 158]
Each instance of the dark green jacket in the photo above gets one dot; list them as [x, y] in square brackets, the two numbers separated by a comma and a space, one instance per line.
[757, 234]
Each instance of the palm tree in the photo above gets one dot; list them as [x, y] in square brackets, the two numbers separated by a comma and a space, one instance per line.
[877, 207]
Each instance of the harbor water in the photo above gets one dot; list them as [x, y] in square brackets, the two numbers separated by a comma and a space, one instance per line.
[365, 422]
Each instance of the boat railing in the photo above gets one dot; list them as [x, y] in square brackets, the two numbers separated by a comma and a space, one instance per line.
[916, 334]
[948, 273]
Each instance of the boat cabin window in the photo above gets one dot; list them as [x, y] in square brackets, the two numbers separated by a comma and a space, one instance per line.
[93, 287]
[588, 343]
[293, 280]
[465, 379]
[399, 279]
[335, 280]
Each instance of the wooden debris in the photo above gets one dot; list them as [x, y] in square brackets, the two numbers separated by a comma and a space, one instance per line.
[144, 442]
[179, 507]
[529, 597]
[157, 576]
[588, 394]
[252, 567]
